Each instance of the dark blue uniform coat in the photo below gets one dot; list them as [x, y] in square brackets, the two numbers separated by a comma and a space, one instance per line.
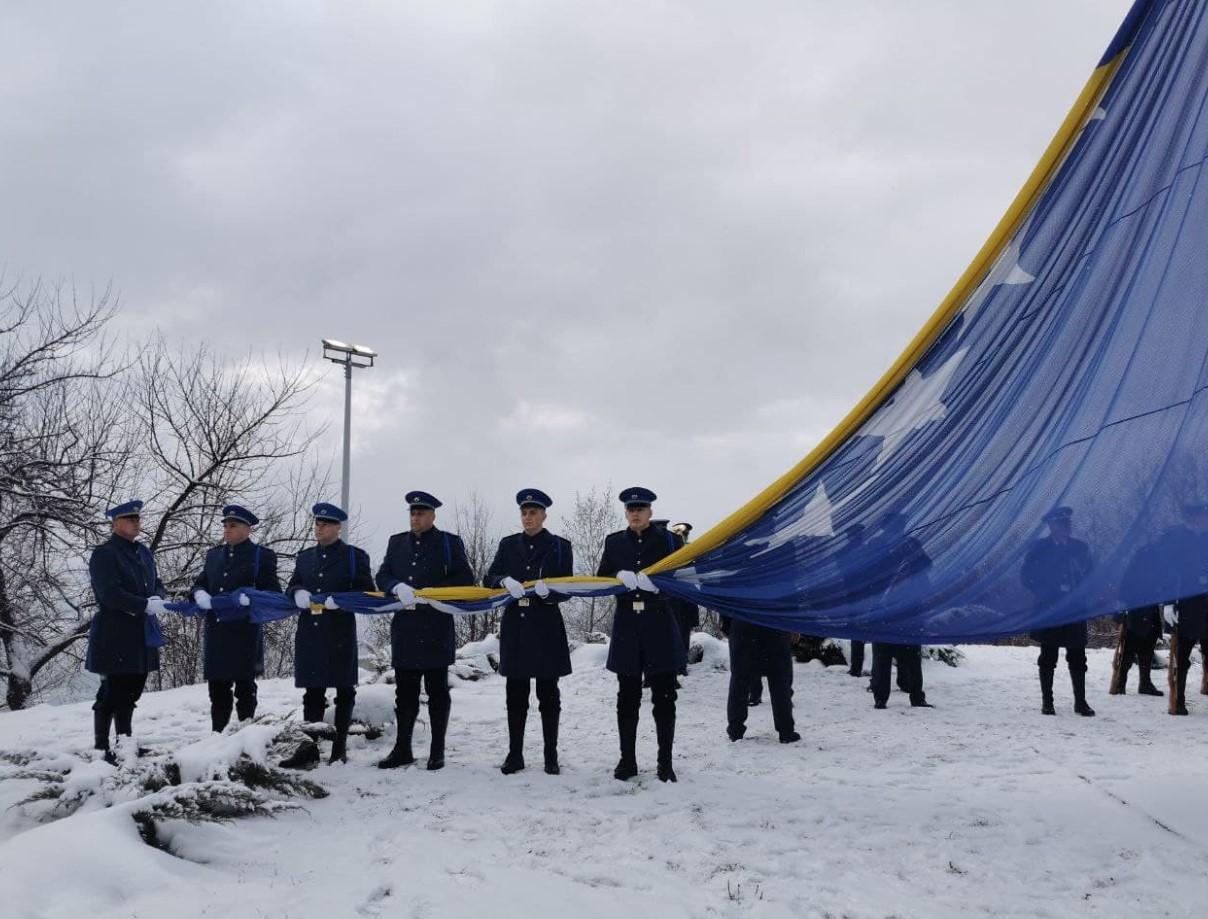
[643, 640]
[123, 576]
[1186, 555]
[422, 638]
[235, 650]
[1050, 571]
[532, 635]
[325, 645]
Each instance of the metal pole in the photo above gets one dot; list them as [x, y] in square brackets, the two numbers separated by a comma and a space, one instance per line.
[347, 432]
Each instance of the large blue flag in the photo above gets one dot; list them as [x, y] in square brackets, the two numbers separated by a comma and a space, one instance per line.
[1047, 432]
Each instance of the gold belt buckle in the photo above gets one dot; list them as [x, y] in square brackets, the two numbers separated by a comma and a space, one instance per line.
[524, 601]
[639, 606]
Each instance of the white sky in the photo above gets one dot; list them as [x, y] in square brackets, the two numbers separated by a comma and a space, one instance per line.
[667, 244]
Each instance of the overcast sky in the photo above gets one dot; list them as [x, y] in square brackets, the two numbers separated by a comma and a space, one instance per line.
[667, 244]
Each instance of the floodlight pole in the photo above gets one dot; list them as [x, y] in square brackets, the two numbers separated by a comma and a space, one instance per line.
[344, 481]
[339, 352]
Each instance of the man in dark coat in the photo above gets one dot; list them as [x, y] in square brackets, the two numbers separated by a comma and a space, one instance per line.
[1142, 621]
[645, 634]
[532, 635]
[1052, 568]
[325, 644]
[234, 648]
[1185, 552]
[898, 571]
[121, 643]
[422, 641]
[755, 650]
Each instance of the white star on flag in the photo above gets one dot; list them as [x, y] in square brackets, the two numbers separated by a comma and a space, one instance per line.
[693, 576]
[918, 402]
[817, 519]
[1006, 270]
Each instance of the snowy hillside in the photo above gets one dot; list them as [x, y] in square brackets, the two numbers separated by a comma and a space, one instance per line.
[980, 807]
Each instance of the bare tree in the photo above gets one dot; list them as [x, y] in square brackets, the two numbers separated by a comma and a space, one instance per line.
[591, 519]
[216, 432]
[474, 522]
[62, 456]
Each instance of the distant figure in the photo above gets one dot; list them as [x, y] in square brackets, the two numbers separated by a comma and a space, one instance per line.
[849, 559]
[1141, 624]
[756, 649]
[687, 613]
[1186, 550]
[1052, 567]
[897, 560]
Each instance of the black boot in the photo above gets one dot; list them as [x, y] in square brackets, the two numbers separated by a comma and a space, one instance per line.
[101, 721]
[123, 721]
[1146, 687]
[1078, 679]
[220, 717]
[1046, 691]
[549, 733]
[439, 722]
[664, 728]
[401, 754]
[627, 767]
[789, 736]
[339, 746]
[514, 761]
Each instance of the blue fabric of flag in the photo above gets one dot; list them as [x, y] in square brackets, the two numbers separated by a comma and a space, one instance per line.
[1074, 375]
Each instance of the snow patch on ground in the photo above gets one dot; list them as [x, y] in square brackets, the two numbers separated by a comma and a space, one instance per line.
[979, 807]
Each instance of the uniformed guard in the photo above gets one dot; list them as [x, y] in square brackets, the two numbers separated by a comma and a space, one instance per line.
[898, 566]
[645, 634]
[422, 641]
[1185, 551]
[1141, 624]
[532, 635]
[851, 561]
[122, 638]
[325, 644]
[234, 649]
[755, 650]
[1052, 567]
[687, 613]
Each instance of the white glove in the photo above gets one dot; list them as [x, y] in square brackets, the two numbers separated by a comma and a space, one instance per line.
[330, 603]
[514, 587]
[244, 601]
[155, 606]
[1168, 615]
[202, 599]
[404, 593]
[628, 578]
[301, 599]
[542, 589]
[645, 583]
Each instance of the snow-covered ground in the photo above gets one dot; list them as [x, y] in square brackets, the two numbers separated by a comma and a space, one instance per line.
[979, 807]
